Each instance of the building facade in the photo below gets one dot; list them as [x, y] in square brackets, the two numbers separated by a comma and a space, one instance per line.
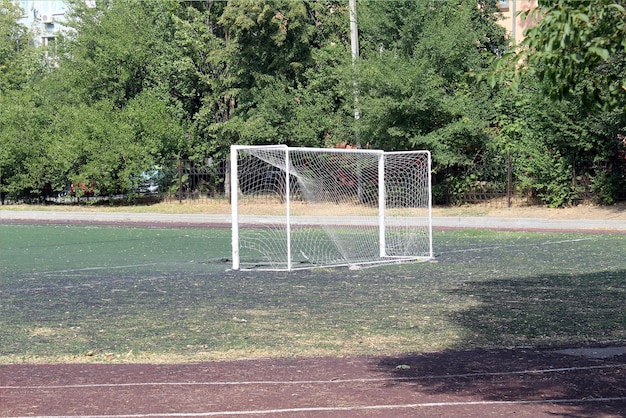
[514, 25]
[45, 17]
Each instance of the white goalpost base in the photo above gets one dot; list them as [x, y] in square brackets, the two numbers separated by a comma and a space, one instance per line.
[301, 208]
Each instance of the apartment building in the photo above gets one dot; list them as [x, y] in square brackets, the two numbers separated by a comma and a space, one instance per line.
[45, 17]
[514, 25]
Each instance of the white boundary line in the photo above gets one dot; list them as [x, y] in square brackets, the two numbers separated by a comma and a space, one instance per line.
[318, 382]
[343, 408]
[95, 268]
[533, 244]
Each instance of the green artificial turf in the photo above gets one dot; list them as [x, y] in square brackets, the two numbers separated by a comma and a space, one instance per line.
[103, 293]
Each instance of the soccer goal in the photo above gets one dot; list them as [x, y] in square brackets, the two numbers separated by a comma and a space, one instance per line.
[297, 208]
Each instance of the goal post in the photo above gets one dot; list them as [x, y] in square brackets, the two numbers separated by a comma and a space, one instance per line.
[296, 208]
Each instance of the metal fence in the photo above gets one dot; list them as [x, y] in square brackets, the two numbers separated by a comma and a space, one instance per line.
[187, 180]
[491, 181]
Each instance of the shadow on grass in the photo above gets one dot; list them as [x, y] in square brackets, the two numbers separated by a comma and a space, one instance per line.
[545, 310]
[534, 317]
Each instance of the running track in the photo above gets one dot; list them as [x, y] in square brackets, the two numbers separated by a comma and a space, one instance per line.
[478, 383]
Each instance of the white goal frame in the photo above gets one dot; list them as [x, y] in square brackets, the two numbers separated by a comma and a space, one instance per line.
[257, 229]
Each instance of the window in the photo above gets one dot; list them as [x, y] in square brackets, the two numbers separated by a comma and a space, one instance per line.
[48, 40]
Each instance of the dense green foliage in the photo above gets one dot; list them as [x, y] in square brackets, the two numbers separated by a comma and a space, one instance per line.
[579, 46]
[568, 82]
[133, 85]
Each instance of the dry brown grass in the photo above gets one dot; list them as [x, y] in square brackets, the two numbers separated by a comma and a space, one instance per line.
[222, 206]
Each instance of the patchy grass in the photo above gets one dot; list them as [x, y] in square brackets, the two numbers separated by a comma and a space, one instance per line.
[222, 206]
[212, 206]
[113, 294]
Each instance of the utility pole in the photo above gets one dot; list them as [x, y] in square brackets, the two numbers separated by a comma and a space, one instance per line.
[354, 43]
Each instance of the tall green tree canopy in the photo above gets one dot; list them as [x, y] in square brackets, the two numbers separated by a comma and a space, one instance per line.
[413, 89]
[18, 59]
[568, 84]
[134, 84]
[576, 47]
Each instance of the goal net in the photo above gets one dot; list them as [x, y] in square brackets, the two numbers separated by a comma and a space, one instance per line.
[296, 208]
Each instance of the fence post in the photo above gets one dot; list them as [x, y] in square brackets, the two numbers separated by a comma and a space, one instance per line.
[180, 180]
[509, 179]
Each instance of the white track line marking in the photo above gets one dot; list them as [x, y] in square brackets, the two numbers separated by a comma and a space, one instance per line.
[95, 268]
[534, 244]
[318, 382]
[345, 408]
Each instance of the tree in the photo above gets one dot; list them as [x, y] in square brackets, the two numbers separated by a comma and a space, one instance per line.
[136, 84]
[22, 142]
[114, 49]
[561, 152]
[567, 84]
[14, 41]
[20, 61]
[576, 48]
[116, 112]
[272, 72]
[24, 112]
[414, 93]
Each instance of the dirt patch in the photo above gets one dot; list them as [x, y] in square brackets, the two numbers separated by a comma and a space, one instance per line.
[583, 211]
[614, 212]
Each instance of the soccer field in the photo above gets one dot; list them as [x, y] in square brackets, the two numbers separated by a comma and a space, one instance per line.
[104, 293]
